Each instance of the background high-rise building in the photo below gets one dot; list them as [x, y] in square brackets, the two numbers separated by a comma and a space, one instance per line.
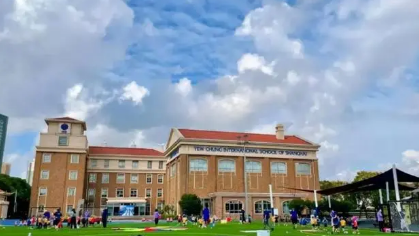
[3, 130]
[31, 168]
[5, 168]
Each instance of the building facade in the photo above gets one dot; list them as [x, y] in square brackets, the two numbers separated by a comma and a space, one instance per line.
[132, 182]
[211, 164]
[4, 204]
[3, 131]
[5, 168]
[29, 172]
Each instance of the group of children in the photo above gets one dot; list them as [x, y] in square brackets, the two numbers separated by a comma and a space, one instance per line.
[197, 220]
[338, 224]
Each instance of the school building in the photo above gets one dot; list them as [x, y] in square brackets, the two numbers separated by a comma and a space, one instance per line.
[132, 182]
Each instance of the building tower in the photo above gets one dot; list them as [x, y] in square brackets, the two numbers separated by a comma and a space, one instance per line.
[29, 172]
[3, 131]
[60, 166]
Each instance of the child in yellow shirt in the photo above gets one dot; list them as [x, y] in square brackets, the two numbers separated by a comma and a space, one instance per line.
[342, 223]
[313, 221]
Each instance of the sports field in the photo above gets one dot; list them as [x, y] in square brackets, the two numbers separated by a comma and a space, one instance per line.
[231, 229]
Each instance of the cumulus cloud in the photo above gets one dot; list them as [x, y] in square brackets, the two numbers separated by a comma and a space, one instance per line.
[134, 92]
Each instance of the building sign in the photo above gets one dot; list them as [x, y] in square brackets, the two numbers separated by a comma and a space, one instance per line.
[220, 149]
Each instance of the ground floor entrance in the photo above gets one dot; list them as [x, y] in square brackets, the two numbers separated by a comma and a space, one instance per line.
[128, 207]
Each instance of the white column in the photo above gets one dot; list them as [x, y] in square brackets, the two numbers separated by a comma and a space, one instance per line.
[271, 196]
[387, 192]
[330, 204]
[396, 188]
[381, 196]
[315, 199]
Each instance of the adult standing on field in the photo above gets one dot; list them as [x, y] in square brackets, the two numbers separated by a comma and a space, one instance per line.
[156, 217]
[104, 217]
[380, 220]
[73, 222]
[206, 215]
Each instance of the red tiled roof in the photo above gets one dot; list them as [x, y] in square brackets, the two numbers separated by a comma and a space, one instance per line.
[123, 151]
[232, 136]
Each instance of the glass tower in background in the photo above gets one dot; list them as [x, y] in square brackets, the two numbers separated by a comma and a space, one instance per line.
[3, 130]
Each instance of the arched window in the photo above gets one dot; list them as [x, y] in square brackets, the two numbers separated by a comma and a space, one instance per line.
[261, 206]
[278, 167]
[198, 165]
[253, 167]
[286, 207]
[233, 206]
[226, 166]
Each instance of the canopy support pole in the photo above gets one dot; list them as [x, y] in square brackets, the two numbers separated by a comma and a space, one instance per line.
[396, 187]
[387, 192]
[330, 204]
[315, 199]
[381, 196]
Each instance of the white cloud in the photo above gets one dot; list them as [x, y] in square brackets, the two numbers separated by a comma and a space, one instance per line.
[79, 105]
[184, 87]
[134, 92]
[100, 134]
[253, 62]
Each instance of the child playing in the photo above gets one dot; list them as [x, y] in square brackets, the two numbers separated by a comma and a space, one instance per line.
[212, 222]
[335, 223]
[201, 223]
[342, 224]
[355, 225]
[313, 222]
[325, 222]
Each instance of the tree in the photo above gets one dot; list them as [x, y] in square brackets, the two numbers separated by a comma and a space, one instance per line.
[11, 185]
[326, 184]
[168, 211]
[370, 198]
[190, 204]
[300, 205]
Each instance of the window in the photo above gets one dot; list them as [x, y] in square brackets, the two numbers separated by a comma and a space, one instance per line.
[261, 206]
[134, 192]
[134, 178]
[105, 178]
[286, 207]
[43, 191]
[74, 158]
[92, 178]
[303, 168]
[41, 208]
[69, 208]
[226, 166]
[253, 167]
[149, 178]
[104, 192]
[46, 158]
[160, 179]
[120, 178]
[106, 164]
[91, 192]
[71, 192]
[62, 141]
[233, 207]
[135, 164]
[93, 163]
[73, 175]
[121, 164]
[148, 192]
[160, 165]
[173, 170]
[159, 192]
[149, 164]
[119, 192]
[45, 174]
[278, 168]
[198, 165]
[160, 205]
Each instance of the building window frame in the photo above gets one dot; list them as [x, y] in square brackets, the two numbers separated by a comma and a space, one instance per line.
[161, 164]
[146, 193]
[46, 157]
[299, 170]
[93, 163]
[253, 166]
[149, 178]
[44, 174]
[106, 164]
[91, 192]
[40, 191]
[173, 170]
[105, 180]
[119, 175]
[62, 140]
[73, 175]
[135, 165]
[198, 165]
[131, 179]
[121, 164]
[149, 165]
[233, 206]
[160, 192]
[261, 205]
[279, 167]
[71, 191]
[102, 191]
[160, 179]
[230, 169]
[133, 190]
[74, 158]
[92, 178]
[116, 192]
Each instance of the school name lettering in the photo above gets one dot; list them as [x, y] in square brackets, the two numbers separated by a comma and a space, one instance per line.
[249, 150]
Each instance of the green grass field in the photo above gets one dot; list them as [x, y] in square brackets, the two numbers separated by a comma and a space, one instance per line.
[231, 229]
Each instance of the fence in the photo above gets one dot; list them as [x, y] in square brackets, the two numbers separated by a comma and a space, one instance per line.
[405, 219]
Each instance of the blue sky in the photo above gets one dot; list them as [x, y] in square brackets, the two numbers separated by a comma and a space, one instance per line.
[340, 73]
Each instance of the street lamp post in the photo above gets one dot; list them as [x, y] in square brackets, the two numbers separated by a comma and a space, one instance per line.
[243, 140]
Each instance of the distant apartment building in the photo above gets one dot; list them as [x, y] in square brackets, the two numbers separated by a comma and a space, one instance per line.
[5, 168]
[3, 131]
[29, 172]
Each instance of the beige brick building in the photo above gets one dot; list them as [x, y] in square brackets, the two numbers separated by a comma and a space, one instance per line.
[211, 165]
[132, 182]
